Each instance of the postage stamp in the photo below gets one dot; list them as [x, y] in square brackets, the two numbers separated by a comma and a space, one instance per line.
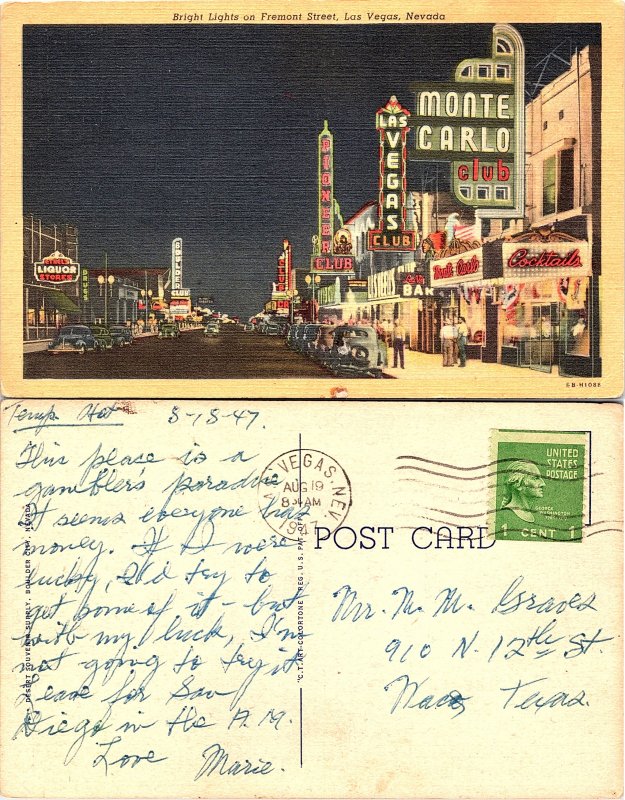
[540, 487]
[311, 489]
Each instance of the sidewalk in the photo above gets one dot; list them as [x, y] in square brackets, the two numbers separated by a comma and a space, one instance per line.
[36, 345]
[431, 365]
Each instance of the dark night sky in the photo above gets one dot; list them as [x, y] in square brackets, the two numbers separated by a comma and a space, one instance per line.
[138, 134]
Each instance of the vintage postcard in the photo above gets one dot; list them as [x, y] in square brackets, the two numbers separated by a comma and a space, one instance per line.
[297, 199]
[263, 599]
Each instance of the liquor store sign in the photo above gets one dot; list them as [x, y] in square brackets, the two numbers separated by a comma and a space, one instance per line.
[56, 268]
[465, 268]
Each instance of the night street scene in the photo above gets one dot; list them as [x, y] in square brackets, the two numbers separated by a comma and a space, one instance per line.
[292, 201]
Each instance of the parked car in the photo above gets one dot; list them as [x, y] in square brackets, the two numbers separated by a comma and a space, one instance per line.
[102, 336]
[212, 329]
[73, 339]
[276, 328]
[121, 335]
[323, 343]
[308, 338]
[169, 330]
[355, 353]
[294, 334]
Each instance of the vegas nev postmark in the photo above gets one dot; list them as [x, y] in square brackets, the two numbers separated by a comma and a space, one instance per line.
[303, 489]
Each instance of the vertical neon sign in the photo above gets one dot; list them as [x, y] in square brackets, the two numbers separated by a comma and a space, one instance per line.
[326, 190]
[391, 233]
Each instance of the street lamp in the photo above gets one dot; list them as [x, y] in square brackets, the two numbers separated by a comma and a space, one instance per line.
[106, 282]
[147, 300]
[315, 281]
[291, 294]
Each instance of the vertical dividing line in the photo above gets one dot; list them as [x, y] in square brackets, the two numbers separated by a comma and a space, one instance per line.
[299, 450]
[301, 727]
[590, 477]
[301, 692]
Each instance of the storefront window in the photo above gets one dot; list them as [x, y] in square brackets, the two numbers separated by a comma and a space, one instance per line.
[473, 310]
[516, 326]
[549, 185]
[576, 334]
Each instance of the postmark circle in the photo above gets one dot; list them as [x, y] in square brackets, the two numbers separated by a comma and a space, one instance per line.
[302, 489]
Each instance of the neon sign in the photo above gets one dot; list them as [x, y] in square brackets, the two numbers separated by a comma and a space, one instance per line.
[391, 233]
[56, 268]
[478, 123]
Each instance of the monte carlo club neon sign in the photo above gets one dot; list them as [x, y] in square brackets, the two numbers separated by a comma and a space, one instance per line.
[476, 122]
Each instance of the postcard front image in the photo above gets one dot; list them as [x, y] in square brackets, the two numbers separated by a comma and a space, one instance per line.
[399, 206]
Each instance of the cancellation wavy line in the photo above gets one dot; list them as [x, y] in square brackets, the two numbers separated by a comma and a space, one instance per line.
[490, 511]
[468, 469]
[491, 474]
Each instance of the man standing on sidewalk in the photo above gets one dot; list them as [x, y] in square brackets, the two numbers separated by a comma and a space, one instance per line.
[399, 336]
[449, 334]
[463, 334]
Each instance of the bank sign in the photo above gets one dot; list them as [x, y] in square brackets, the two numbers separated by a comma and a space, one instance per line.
[477, 123]
[465, 268]
[56, 268]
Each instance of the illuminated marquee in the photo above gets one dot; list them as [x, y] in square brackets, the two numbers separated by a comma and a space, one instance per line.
[464, 268]
[326, 190]
[179, 306]
[176, 264]
[525, 260]
[56, 268]
[391, 233]
[341, 264]
[284, 272]
[478, 123]
[330, 253]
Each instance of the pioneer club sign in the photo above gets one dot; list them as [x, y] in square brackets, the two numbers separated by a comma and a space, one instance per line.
[323, 258]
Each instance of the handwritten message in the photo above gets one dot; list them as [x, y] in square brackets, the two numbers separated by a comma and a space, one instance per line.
[156, 610]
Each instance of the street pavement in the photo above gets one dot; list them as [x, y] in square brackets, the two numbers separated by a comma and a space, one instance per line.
[235, 354]
[230, 354]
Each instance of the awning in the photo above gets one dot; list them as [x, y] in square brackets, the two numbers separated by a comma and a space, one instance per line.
[60, 301]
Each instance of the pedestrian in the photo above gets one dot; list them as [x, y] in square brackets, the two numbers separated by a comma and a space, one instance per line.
[382, 347]
[463, 334]
[399, 336]
[388, 332]
[448, 340]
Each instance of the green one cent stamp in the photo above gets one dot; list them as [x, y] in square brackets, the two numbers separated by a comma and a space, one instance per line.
[540, 486]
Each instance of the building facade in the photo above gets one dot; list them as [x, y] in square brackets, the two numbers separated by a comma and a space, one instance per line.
[51, 277]
[527, 288]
